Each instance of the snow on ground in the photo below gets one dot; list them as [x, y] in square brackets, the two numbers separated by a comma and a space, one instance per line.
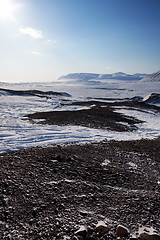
[149, 230]
[151, 125]
[16, 133]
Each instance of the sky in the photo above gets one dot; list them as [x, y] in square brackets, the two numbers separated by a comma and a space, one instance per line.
[40, 40]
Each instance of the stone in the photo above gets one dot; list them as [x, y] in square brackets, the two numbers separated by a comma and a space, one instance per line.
[84, 214]
[82, 231]
[34, 212]
[146, 236]
[101, 227]
[59, 158]
[122, 231]
[70, 159]
[74, 238]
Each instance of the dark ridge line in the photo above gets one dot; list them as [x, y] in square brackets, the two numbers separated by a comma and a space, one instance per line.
[37, 93]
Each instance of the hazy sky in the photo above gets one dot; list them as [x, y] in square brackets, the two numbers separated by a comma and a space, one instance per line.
[41, 40]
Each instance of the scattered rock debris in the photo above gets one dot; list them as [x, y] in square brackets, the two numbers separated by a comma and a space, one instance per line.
[50, 192]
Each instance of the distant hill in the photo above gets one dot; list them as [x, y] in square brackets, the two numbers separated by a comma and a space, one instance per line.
[80, 76]
[154, 77]
[93, 76]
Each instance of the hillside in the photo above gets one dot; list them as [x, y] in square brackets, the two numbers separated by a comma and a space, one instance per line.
[154, 77]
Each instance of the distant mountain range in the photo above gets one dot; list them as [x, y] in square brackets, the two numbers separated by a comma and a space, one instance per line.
[93, 76]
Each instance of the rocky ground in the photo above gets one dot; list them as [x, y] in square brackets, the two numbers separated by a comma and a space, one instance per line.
[81, 191]
[99, 114]
[107, 190]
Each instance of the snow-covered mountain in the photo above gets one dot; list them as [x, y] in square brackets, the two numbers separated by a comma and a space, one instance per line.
[93, 76]
[80, 76]
[154, 77]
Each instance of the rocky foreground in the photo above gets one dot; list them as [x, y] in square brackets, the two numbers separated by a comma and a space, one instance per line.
[107, 190]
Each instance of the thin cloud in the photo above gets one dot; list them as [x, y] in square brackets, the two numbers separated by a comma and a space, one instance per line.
[34, 33]
[50, 42]
[36, 53]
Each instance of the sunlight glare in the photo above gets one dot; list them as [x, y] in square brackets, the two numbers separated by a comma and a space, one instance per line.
[6, 9]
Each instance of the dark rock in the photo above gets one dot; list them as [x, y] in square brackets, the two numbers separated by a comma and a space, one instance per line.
[102, 228]
[59, 158]
[83, 230]
[146, 236]
[74, 238]
[84, 214]
[70, 159]
[122, 231]
[31, 221]
[34, 212]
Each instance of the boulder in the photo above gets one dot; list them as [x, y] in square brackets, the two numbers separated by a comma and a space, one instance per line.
[101, 227]
[122, 231]
[82, 231]
[146, 236]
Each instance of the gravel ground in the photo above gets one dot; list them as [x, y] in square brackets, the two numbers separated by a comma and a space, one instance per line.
[49, 192]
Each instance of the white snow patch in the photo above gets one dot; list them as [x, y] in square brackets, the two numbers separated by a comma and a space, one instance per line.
[63, 180]
[6, 200]
[106, 162]
[101, 223]
[66, 238]
[150, 128]
[149, 230]
[69, 180]
[132, 165]
[80, 196]
[85, 211]
[35, 120]
[82, 229]
[123, 123]
[54, 161]
[54, 182]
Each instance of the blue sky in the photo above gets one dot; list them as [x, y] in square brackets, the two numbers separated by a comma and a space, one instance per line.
[41, 40]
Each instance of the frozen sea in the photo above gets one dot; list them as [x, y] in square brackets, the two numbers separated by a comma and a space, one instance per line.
[17, 132]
